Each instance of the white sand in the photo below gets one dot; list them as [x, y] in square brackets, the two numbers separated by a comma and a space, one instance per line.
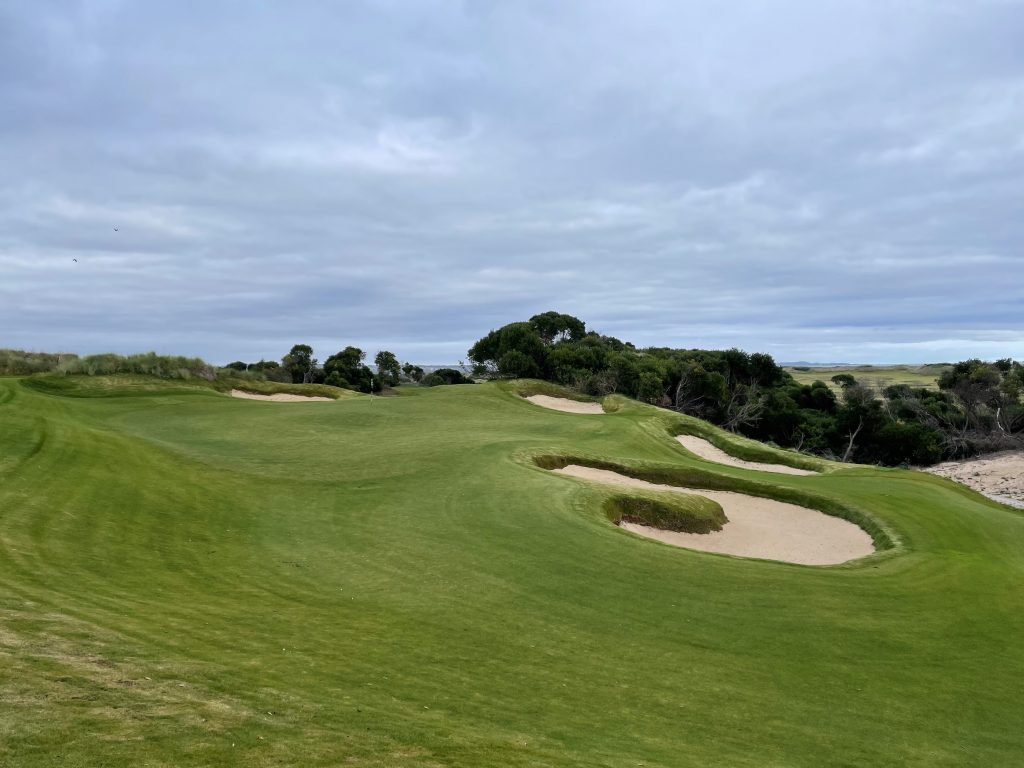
[757, 527]
[710, 452]
[279, 397]
[999, 476]
[565, 404]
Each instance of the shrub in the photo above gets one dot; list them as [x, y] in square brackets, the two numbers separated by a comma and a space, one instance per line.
[444, 376]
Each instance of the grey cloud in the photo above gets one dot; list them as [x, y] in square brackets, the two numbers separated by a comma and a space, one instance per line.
[828, 181]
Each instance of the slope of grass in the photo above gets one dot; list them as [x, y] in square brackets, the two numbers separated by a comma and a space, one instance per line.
[195, 580]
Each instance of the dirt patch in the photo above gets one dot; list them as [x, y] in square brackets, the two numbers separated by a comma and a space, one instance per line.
[564, 404]
[278, 397]
[757, 527]
[710, 452]
[1000, 476]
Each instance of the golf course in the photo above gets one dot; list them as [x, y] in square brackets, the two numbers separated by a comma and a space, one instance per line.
[193, 579]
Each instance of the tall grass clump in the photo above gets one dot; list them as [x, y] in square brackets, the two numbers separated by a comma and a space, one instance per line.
[147, 364]
[18, 362]
[688, 514]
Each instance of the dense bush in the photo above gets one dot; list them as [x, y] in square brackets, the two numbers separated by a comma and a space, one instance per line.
[444, 376]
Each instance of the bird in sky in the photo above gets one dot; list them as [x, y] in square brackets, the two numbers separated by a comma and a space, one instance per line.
[116, 229]
[75, 260]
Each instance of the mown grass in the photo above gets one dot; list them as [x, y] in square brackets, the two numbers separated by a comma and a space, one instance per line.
[195, 580]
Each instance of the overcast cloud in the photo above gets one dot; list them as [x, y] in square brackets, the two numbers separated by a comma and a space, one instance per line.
[829, 181]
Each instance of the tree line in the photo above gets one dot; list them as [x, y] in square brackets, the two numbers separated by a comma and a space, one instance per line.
[347, 369]
[977, 407]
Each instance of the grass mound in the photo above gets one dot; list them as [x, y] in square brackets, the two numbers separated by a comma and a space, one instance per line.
[688, 514]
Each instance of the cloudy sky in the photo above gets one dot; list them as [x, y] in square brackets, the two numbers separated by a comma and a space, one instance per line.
[827, 181]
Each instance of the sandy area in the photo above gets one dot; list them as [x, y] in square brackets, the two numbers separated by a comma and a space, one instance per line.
[709, 452]
[757, 527]
[999, 476]
[565, 404]
[279, 397]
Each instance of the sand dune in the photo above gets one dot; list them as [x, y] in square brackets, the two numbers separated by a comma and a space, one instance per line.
[999, 476]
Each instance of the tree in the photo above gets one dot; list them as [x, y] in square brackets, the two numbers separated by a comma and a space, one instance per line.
[299, 362]
[444, 376]
[553, 327]
[514, 350]
[518, 365]
[413, 372]
[346, 369]
[388, 368]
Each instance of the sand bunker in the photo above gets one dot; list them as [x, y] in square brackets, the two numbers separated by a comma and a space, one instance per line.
[709, 452]
[1000, 476]
[565, 404]
[279, 397]
[757, 527]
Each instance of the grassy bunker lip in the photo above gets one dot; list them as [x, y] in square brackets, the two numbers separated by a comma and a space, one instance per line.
[743, 448]
[704, 449]
[688, 513]
[693, 480]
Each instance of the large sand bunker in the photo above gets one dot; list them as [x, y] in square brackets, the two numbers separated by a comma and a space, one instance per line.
[565, 404]
[278, 397]
[757, 527]
[710, 452]
[1000, 476]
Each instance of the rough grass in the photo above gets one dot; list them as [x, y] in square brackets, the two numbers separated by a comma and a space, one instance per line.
[196, 580]
[676, 512]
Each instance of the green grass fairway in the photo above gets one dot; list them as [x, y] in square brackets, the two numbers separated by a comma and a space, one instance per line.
[876, 376]
[188, 579]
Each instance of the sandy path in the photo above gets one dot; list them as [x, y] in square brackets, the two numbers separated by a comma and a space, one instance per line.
[710, 452]
[757, 527]
[279, 397]
[999, 476]
[565, 404]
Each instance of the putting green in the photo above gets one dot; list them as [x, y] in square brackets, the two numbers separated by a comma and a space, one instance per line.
[189, 579]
